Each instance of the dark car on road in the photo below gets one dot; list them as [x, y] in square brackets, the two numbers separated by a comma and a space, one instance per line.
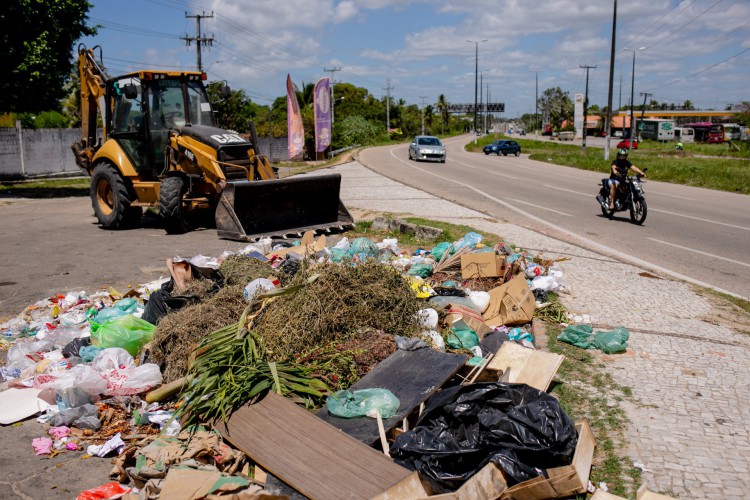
[503, 147]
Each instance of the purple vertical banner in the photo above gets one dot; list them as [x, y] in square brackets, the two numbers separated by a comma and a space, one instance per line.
[322, 99]
[295, 131]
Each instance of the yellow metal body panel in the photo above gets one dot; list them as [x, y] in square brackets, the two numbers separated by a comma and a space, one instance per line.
[112, 152]
[147, 192]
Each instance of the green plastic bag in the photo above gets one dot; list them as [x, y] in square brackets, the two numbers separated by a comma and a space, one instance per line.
[363, 246]
[421, 270]
[364, 402]
[612, 342]
[583, 336]
[462, 339]
[440, 249]
[128, 332]
[578, 335]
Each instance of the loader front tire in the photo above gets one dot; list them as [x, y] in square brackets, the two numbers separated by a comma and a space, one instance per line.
[110, 199]
[171, 210]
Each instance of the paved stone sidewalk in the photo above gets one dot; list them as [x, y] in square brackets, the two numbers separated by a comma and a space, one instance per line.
[690, 378]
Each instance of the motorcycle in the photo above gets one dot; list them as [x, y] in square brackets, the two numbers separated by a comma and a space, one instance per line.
[629, 195]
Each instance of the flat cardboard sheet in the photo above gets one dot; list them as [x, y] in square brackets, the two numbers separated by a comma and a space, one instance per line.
[526, 366]
[511, 303]
[18, 404]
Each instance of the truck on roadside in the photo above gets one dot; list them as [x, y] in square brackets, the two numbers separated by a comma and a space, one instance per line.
[657, 129]
[684, 135]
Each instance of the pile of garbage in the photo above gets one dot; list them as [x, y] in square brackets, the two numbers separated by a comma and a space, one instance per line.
[120, 374]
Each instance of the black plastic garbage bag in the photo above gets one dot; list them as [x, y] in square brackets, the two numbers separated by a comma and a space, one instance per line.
[161, 301]
[521, 429]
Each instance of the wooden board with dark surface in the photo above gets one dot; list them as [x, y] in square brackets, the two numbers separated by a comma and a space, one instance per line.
[412, 376]
[306, 453]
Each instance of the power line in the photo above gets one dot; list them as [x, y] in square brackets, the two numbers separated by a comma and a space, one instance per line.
[701, 71]
[640, 35]
[686, 24]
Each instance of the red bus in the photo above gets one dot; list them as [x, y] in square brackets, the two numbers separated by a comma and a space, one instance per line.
[712, 133]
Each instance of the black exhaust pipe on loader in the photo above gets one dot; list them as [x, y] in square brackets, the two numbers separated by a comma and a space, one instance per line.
[250, 210]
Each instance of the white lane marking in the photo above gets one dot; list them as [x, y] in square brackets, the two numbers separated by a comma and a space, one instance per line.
[596, 246]
[568, 190]
[700, 219]
[713, 256]
[539, 206]
[487, 171]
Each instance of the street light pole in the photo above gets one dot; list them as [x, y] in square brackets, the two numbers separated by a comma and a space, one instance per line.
[536, 100]
[632, 97]
[608, 126]
[476, 74]
[423, 97]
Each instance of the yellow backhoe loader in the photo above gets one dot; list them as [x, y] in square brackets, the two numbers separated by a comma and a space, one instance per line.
[161, 149]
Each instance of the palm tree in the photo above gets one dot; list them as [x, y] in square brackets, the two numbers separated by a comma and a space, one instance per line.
[429, 117]
[442, 106]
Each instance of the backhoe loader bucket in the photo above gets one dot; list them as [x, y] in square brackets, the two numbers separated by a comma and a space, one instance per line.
[249, 210]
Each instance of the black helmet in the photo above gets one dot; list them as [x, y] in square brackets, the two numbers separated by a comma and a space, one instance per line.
[622, 153]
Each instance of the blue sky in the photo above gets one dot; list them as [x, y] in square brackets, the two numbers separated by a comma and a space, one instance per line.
[697, 50]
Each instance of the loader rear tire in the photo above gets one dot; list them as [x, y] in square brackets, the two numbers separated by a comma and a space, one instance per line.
[171, 210]
[110, 198]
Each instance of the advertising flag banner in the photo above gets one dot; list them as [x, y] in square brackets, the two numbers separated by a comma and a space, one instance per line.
[295, 131]
[322, 98]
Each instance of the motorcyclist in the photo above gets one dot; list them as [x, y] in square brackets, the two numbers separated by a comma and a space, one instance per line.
[620, 167]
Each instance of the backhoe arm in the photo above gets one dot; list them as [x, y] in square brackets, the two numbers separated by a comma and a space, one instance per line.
[93, 78]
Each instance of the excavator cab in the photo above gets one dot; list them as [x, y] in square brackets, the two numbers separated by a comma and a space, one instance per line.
[163, 150]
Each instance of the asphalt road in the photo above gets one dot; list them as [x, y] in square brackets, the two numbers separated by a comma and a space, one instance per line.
[55, 246]
[696, 234]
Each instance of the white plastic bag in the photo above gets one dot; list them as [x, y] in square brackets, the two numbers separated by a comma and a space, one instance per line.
[427, 318]
[83, 377]
[131, 381]
[434, 338]
[480, 299]
[546, 283]
[342, 244]
[113, 358]
[258, 287]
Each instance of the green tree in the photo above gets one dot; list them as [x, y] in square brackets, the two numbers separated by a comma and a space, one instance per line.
[442, 107]
[37, 37]
[355, 130]
[743, 117]
[234, 112]
[557, 106]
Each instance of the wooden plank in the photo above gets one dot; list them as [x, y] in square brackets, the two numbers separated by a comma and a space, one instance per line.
[511, 356]
[308, 454]
[412, 376]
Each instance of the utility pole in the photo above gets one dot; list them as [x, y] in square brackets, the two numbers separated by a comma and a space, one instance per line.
[645, 95]
[199, 38]
[611, 78]
[333, 101]
[632, 99]
[481, 94]
[619, 102]
[586, 106]
[486, 103]
[388, 89]
[423, 97]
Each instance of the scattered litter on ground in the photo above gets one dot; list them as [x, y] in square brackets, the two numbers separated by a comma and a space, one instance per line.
[308, 321]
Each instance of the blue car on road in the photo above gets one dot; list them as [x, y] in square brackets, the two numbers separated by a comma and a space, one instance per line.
[503, 147]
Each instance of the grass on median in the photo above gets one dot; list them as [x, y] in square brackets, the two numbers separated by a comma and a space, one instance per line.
[723, 170]
[587, 391]
[46, 188]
